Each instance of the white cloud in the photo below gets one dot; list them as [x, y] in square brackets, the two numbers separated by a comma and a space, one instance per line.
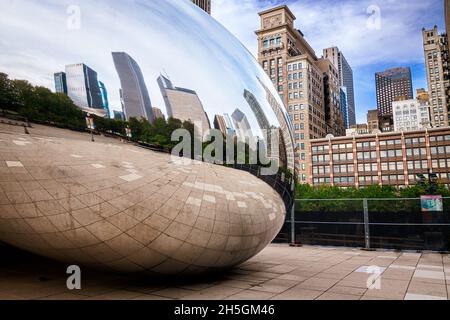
[343, 23]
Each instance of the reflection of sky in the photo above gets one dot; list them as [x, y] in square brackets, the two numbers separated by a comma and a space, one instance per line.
[173, 37]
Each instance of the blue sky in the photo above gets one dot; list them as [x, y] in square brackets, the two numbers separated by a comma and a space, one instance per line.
[398, 41]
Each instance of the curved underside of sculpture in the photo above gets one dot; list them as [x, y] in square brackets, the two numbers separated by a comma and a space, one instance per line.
[119, 207]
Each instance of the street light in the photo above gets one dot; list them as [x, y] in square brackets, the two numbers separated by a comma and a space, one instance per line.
[90, 125]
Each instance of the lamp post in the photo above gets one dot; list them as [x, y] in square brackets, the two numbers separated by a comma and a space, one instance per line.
[128, 133]
[90, 125]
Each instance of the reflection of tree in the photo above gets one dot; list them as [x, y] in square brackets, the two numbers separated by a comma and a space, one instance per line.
[40, 105]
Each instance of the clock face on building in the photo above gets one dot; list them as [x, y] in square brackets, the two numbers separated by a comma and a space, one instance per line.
[272, 21]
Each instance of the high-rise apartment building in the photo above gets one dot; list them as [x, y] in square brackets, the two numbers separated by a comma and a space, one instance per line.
[291, 64]
[83, 88]
[183, 104]
[392, 84]
[204, 4]
[437, 65]
[345, 80]
[60, 82]
[133, 93]
[412, 115]
[332, 99]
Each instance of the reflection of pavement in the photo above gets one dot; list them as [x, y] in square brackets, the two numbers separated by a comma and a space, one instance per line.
[278, 272]
[117, 206]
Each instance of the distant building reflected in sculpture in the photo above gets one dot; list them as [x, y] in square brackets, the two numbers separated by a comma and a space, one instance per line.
[158, 114]
[242, 126]
[220, 124]
[104, 97]
[287, 146]
[61, 82]
[83, 88]
[183, 104]
[134, 93]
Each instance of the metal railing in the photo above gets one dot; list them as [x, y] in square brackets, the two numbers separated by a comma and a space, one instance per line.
[368, 223]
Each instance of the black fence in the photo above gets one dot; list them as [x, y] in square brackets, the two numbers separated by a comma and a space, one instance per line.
[368, 223]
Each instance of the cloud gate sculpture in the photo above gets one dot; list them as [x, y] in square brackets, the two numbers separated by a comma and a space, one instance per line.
[118, 206]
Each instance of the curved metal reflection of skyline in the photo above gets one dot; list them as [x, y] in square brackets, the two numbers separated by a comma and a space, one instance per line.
[131, 46]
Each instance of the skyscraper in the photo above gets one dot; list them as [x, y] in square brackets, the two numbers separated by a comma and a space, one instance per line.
[438, 75]
[230, 127]
[220, 124]
[257, 110]
[332, 103]
[183, 104]
[345, 80]
[61, 82]
[204, 4]
[291, 64]
[242, 126]
[447, 20]
[83, 88]
[104, 97]
[392, 84]
[158, 113]
[344, 106]
[134, 93]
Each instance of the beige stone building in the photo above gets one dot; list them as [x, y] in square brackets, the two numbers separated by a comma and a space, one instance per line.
[373, 122]
[292, 65]
[437, 65]
[204, 4]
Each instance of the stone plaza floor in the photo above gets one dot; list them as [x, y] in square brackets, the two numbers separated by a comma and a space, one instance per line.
[279, 272]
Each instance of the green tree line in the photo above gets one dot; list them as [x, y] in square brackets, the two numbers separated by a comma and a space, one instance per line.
[21, 100]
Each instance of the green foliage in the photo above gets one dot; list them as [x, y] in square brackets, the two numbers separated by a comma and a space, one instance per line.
[305, 191]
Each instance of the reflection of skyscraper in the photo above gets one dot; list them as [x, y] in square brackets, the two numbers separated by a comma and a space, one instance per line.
[60, 82]
[257, 110]
[183, 104]
[220, 124]
[286, 155]
[230, 127]
[242, 126]
[262, 120]
[104, 97]
[134, 93]
[157, 113]
[119, 115]
[204, 4]
[83, 88]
